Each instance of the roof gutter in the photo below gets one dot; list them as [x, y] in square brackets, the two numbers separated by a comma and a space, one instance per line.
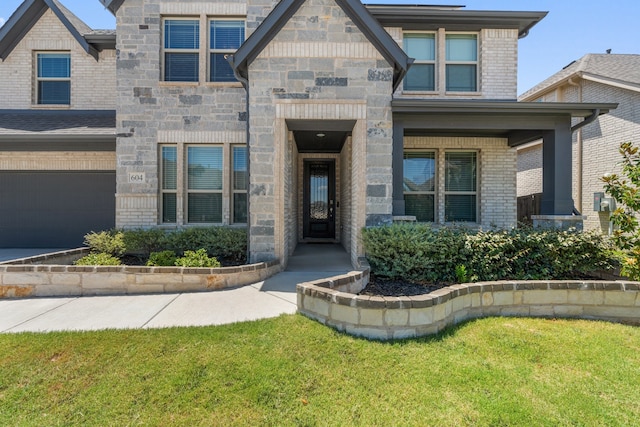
[245, 83]
[587, 120]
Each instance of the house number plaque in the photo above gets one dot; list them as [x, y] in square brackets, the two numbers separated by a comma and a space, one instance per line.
[136, 177]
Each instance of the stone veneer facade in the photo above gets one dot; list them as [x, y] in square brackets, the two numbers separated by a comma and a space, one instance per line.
[318, 67]
[152, 112]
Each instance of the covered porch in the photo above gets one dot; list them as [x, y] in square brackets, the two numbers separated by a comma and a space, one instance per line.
[516, 123]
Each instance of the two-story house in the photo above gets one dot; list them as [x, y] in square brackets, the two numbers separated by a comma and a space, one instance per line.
[308, 120]
[592, 78]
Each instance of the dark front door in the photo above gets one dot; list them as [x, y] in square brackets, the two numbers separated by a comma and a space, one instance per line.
[319, 199]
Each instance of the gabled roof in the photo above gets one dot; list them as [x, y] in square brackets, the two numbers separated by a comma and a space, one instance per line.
[112, 5]
[28, 14]
[612, 69]
[355, 10]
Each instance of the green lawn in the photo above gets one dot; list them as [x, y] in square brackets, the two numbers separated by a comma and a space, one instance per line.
[294, 371]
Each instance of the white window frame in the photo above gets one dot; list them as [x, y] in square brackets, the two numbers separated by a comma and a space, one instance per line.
[476, 63]
[50, 79]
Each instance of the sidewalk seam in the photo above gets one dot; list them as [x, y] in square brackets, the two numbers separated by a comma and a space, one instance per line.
[159, 311]
[40, 315]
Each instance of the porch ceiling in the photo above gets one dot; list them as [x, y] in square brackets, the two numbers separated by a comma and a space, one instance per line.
[320, 136]
[520, 122]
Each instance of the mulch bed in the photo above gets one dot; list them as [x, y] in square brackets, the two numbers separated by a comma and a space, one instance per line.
[398, 288]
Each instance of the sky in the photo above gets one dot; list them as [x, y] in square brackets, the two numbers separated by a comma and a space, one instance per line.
[572, 29]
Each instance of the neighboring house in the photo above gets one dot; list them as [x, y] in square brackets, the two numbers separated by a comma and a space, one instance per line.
[308, 120]
[598, 78]
[57, 127]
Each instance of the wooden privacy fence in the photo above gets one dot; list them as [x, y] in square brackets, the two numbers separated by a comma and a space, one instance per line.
[528, 206]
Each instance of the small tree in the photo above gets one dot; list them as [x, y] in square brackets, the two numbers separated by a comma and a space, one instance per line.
[625, 189]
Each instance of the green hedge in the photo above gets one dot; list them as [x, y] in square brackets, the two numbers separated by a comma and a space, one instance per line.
[420, 252]
[224, 243]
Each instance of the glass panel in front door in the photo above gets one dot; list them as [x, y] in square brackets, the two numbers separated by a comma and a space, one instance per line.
[319, 191]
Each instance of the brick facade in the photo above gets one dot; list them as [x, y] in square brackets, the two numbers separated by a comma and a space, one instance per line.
[496, 176]
[600, 143]
[93, 83]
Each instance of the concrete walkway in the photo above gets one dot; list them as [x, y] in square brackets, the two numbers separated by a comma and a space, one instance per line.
[270, 298]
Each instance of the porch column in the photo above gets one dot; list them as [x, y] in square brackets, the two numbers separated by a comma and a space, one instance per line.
[397, 163]
[557, 171]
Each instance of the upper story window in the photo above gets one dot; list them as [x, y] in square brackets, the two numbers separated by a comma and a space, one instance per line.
[462, 62]
[181, 50]
[444, 62]
[225, 37]
[53, 79]
[421, 75]
[183, 53]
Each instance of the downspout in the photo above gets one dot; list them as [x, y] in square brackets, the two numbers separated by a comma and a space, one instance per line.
[579, 156]
[245, 84]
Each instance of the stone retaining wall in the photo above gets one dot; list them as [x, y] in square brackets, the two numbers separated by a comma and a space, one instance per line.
[387, 318]
[21, 279]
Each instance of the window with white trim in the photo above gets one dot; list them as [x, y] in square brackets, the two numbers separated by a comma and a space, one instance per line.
[204, 184]
[181, 50]
[53, 78]
[419, 183]
[461, 62]
[461, 186]
[240, 183]
[225, 37]
[422, 74]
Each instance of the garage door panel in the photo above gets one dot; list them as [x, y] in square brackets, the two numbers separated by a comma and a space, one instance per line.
[54, 209]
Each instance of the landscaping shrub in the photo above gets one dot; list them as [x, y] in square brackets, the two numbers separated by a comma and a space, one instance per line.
[528, 253]
[100, 258]
[110, 242]
[415, 252]
[221, 242]
[625, 189]
[419, 252]
[198, 258]
[162, 259]
[145, 241]
[225, 243]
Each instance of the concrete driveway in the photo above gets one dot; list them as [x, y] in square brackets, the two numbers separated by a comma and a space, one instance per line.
[9, 254]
